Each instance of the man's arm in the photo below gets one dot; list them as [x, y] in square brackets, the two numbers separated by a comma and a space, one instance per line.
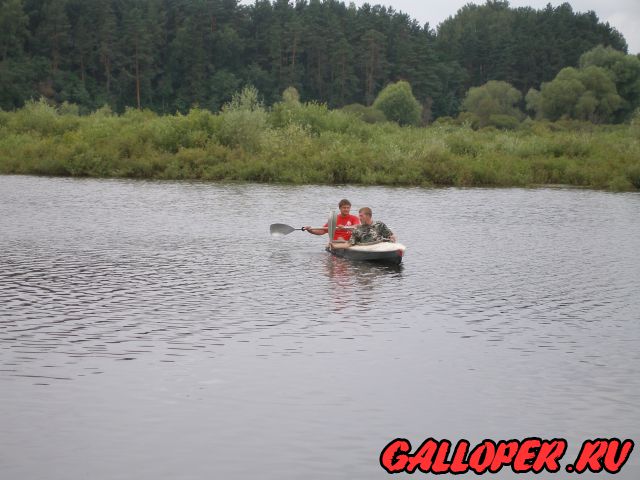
[316, 231]
[325, 229]
[355, 236]
[387, 233]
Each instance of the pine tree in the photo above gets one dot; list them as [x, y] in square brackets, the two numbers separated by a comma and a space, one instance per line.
[54, 32]
[13, 28]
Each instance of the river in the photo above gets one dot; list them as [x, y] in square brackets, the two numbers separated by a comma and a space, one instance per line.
[154, 330]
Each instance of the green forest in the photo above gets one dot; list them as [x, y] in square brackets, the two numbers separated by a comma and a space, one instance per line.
[171, 55]
[317, 92]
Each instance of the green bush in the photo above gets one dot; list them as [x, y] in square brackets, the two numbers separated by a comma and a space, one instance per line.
[309, 143]
[440, 121]
[41, 118]
[494, 104]
[291, 96]
[462, 145]
[588, 94]
[633, 175]
[620, 184]
[468, 119]
[397, 103]
[242, 121]
[504, 122]
[366, 114]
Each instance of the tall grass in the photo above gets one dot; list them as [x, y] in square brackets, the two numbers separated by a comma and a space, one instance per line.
[308, 143]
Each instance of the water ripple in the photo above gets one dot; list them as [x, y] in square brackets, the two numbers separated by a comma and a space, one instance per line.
[507, 288]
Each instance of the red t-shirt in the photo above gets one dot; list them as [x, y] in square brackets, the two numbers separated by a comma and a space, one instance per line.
[348, 221]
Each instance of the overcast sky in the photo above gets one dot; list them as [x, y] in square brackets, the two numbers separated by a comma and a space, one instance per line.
[624, 15]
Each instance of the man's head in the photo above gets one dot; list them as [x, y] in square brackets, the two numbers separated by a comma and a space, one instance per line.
[344, 206]
[365, 215]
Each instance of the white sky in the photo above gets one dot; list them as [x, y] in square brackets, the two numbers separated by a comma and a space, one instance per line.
[624, 15]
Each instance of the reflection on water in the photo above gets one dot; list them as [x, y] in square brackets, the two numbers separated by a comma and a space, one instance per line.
[162, 322]
[358, 283]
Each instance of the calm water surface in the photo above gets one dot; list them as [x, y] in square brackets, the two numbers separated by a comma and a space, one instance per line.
[155, 331]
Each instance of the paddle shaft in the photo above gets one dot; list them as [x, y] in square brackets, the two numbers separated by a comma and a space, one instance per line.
[280, 229]
[338, 227]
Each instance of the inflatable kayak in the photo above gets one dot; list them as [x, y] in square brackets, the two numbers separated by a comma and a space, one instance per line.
[382, 252]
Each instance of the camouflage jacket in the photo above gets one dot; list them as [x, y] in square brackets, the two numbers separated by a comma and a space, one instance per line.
[376, 232]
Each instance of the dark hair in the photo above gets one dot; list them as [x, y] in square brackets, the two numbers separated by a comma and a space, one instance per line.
[344, 201]
[366, 211]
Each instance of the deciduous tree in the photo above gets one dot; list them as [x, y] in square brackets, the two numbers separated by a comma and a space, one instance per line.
[398, 104]
[492, 99]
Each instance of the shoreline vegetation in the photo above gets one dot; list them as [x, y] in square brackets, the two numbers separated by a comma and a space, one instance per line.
[307, 143]
[520, 97]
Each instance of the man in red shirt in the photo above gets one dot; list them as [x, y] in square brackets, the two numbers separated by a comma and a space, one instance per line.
[344, 219]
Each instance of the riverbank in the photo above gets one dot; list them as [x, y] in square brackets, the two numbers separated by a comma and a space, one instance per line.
[307, 143]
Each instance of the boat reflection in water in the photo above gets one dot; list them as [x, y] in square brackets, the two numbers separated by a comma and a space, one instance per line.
[360, 284]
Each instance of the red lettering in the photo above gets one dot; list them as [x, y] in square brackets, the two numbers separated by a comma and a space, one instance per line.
[617, 455]
[527, 452]
[482, 457]
[530, 455]
[440, 464]
[394, 456]
[423, 458]
[550, 453]
[591, 456]
[504, 455]
[457, 464]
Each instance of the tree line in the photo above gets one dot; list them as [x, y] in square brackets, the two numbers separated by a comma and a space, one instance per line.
[169, 55]
[605, 88]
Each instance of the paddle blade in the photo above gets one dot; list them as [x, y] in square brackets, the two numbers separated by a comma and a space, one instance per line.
[280, 229]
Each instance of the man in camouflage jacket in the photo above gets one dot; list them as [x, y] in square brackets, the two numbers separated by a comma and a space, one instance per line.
[369, 231]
